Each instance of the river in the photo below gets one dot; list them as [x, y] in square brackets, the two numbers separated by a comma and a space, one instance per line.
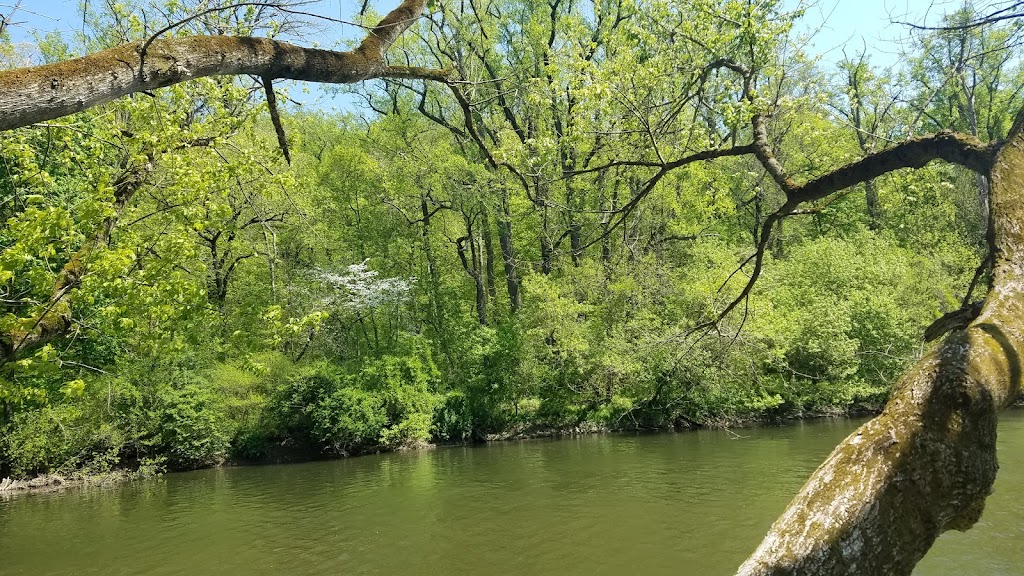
[687, 503]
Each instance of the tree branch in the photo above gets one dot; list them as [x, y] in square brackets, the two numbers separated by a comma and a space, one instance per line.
[40, 93]
[275, 119]
[961, 149]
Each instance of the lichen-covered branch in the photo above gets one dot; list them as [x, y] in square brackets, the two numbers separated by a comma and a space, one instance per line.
[961, 149]
[40, 93]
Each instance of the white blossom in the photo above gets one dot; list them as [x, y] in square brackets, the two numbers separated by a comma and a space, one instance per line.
[359, 288]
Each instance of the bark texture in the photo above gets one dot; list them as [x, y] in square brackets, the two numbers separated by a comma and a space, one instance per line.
[40, 93]
[927, 463]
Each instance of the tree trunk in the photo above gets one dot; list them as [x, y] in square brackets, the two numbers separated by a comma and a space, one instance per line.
[983, 199]
[927, 463]
[547, 249]
[575, 240]
[216, 293]
[485, 222]
[573, 203]
[606, 222]
[778, 245]
[471, 263]
[874, 210]
[755, 230]
[481, 289]
[508, 253]
[971, 112]
[433, 277]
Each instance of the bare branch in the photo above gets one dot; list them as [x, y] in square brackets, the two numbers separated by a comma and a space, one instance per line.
[275, 119]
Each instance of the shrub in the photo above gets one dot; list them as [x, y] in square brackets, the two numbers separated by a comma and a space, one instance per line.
[453, 417]
[192, 426]
[384, 403]
[349, 419]
[49, 439]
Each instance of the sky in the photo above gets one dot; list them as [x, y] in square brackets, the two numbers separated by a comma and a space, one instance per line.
[835, 24]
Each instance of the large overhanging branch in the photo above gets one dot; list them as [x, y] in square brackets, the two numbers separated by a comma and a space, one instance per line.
[40, 93]
[961, 149]
[928, 462]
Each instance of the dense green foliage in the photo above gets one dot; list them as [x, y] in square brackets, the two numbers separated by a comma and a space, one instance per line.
[411, 278]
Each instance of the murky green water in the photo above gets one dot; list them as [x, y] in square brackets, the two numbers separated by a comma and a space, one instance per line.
[689, 503]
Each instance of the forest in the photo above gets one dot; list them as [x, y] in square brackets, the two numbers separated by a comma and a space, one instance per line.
[542, 217]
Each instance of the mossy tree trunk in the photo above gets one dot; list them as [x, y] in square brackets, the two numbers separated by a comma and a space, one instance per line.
[927, 463]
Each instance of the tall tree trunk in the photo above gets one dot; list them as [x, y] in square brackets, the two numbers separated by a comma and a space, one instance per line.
[436, 319]
[547, 248]
[479, 277]
[428, 250]
[981, 180]
[866, 139]
[778, 244]
[874, 209]
[472, 264]
[575, 240]
[755, 231]
[485, 222]
[606, 222]
[508, 253]
[573, 203]
[983, 199]
[927, 463]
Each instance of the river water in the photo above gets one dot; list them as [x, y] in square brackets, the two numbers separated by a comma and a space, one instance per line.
[688, 503]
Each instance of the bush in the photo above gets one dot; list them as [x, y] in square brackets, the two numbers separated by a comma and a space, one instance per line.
[402, 385]
[246, 388]
[847, 310]
[453, 418]
[349, 419]
[385, 403]
[66, 438]
[192, 426]
[484, 395]
[49, 439]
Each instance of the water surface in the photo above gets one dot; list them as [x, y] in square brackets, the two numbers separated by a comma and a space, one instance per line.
[687, 503]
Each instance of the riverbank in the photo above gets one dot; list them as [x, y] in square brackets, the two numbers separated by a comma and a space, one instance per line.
[48, 483]
[288, 452]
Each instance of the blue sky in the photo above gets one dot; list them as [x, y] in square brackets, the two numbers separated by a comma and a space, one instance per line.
[838, 23]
